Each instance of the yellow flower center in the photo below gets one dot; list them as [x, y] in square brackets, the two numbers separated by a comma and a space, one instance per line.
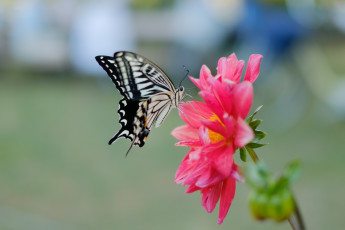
[215, 137]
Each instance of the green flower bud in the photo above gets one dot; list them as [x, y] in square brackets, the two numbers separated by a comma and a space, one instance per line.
[257, 203]
[278, 206]
[271, 197]
[281, 205]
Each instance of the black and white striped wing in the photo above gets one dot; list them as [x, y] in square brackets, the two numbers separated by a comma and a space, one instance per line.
[135, 77]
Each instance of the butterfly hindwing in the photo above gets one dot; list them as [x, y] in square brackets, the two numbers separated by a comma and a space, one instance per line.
[133, 121]
[127, 111]
[158, 108]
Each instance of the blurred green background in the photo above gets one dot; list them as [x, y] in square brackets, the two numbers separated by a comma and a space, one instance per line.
[58, 109]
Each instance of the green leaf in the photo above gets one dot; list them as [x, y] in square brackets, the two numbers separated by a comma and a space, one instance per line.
[290, 174]
[257, 175]
[255, 145]
[255, 123]
[243, 154]
[255, 112]
[259, 134]
[281, 184]
[292, 171]
[252, 154]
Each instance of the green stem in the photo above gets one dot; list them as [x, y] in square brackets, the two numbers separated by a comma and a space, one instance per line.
[252, 154]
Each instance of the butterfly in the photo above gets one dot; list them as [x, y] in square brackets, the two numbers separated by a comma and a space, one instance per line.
[148, 94]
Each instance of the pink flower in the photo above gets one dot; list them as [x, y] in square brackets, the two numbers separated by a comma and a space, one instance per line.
[215, 129]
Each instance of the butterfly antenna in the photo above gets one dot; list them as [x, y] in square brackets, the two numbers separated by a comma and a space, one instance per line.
[187, 72]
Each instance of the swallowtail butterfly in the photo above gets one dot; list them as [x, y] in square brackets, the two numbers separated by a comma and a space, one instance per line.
[148, 94]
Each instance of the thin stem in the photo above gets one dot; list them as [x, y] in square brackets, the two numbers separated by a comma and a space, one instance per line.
[292, 222]
[296, 220]
[252, 154]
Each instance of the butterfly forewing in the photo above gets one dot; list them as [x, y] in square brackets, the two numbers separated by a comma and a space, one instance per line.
[135, 76]
[120, 81]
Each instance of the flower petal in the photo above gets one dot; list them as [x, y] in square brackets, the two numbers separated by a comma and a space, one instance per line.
[229, 123]
[242, 99]
[212, 102]
[227, 67]
[253, 68]
[208, 178]
[215, 126]
[237, 173]
[192, 112]
[204, 136]
[222, 67]
[187, 136]
[202, 83]
[211, 196]
[185, 132]
[224, 160]
[244, 133]
[192, 188]
[187, 165]
[223, 93]
[204, 180]
[238, 71]
[196, 82]
[201, 168]
[226, 197]
[205, 73]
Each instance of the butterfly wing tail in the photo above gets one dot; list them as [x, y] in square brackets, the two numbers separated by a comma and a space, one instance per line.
[114, 138]
[118, 135]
